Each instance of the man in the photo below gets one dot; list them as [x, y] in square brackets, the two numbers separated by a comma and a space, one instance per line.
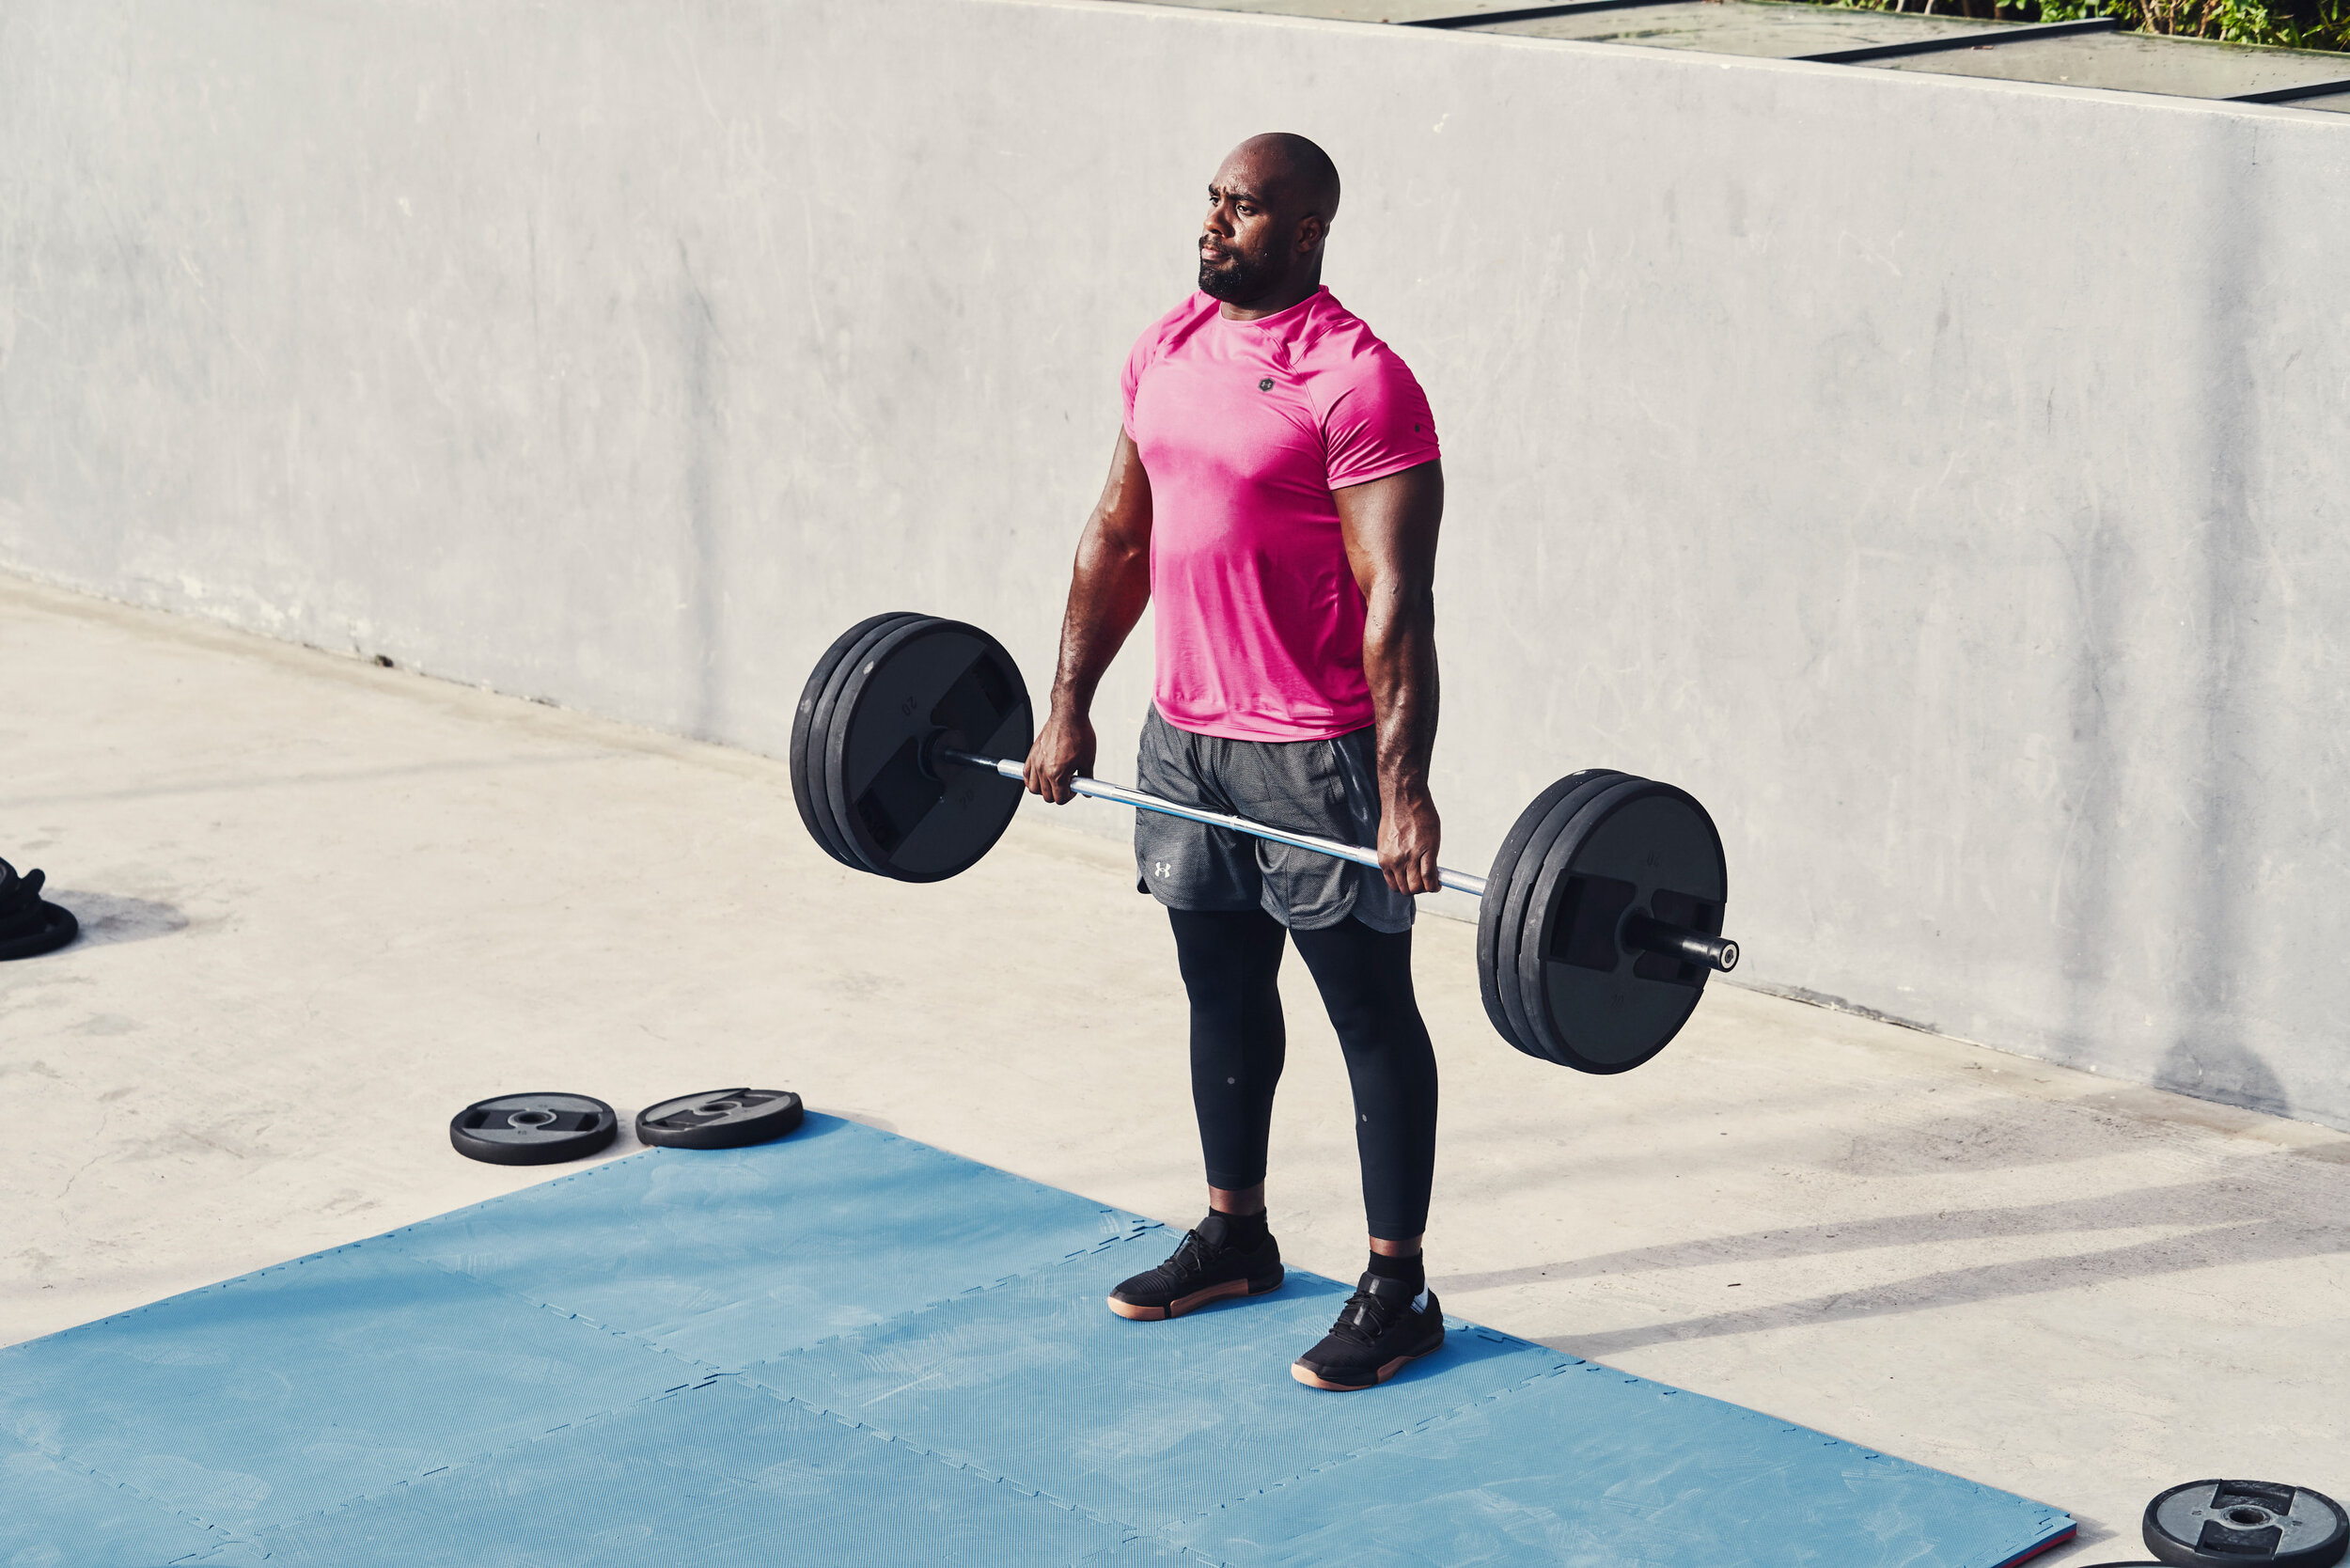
[1275, 487]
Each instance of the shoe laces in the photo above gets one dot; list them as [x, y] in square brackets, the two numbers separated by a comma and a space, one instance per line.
[1191, 1254]
[1365, 1317]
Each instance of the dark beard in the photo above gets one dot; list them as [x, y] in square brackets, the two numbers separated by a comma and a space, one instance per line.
[1237, 282]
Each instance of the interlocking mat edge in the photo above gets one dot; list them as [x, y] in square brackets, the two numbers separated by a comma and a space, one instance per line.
[851, 1347]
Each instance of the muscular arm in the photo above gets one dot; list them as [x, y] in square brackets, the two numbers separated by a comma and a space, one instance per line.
[1391, 527]
[1106, 593]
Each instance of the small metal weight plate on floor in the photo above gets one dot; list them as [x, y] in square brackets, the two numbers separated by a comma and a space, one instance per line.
[2245, 1524]
[719, 1119]
[542, 1128]
[924, 686]
[1635, 848]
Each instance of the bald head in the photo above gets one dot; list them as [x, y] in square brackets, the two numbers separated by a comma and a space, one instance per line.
[1302, 170]
[1269, 207]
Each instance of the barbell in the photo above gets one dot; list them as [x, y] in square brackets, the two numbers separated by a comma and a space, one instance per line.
[1598, 923]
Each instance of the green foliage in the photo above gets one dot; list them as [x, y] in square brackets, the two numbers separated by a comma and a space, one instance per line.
[2292, 23]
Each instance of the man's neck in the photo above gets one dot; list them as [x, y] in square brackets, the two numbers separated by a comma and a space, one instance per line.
[1273, 304]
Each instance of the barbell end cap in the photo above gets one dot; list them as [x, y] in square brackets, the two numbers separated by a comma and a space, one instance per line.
[1728, 960]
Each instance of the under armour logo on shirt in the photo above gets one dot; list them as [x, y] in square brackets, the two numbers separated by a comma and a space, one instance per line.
[1265, 385]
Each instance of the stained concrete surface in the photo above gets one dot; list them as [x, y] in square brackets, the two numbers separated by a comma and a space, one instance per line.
[330, 903]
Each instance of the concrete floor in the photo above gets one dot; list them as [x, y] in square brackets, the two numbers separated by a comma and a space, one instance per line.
[327, 905]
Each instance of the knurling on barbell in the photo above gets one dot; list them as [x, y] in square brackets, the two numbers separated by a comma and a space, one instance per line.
[1597, 927]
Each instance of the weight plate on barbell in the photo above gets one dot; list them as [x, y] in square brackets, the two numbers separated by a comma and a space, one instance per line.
[1521, 977]
[2214, 1524]
[923, 687]
[1496, 890]
[803, 787]
[538, 1128]
[829, 712]
[1503, 907]
[1637, 847]
[719, 1119]
[1517, 922]
[812, 723]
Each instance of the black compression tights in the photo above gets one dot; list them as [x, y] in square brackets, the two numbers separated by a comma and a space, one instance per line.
[1229, 963]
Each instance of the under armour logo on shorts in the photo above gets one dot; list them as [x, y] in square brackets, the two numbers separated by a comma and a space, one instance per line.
[1161, 868]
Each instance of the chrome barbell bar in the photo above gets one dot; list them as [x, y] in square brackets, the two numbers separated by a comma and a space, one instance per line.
[1639, 931]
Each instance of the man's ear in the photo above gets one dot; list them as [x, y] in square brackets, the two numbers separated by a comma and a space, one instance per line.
[1311, 230]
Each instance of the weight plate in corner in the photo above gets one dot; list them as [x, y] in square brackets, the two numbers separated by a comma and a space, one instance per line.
[2245, 1524]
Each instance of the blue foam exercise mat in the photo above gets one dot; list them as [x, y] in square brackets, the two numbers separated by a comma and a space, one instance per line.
[850, 1347]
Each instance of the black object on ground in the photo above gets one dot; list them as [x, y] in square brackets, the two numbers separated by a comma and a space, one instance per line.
[542, 1128]
[2239, 1524]
[719, 1119]
[1601, 918]
[29, 924]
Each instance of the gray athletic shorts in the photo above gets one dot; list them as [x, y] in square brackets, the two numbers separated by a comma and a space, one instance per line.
[1325, 787]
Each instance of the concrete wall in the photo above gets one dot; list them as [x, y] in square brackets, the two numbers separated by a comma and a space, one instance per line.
[1944, 480]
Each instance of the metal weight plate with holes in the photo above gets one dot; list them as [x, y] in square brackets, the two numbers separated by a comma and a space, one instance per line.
[922, 687]
[812, 720]
[1509, 889]
[30, 925]
[1635, 848]
[2240, 1523]
[719, 1119]
[533, 1129]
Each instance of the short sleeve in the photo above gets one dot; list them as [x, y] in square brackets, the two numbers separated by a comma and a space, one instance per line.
[1137, 359]
[1378, 424]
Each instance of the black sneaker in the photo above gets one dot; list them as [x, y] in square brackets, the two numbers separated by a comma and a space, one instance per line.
[1382, 1326]
[1199, 1272]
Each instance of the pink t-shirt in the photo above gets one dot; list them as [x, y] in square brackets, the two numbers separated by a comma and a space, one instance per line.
[1246, 428]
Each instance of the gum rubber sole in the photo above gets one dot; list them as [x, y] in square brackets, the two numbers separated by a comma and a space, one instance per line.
[1183, 1304]
[1311, 1379]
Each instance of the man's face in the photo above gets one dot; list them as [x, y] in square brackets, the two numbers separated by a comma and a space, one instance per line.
[1253, 235]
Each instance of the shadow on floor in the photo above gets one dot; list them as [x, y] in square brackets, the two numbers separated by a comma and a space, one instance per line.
[110, 917]
[2242, 1222]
